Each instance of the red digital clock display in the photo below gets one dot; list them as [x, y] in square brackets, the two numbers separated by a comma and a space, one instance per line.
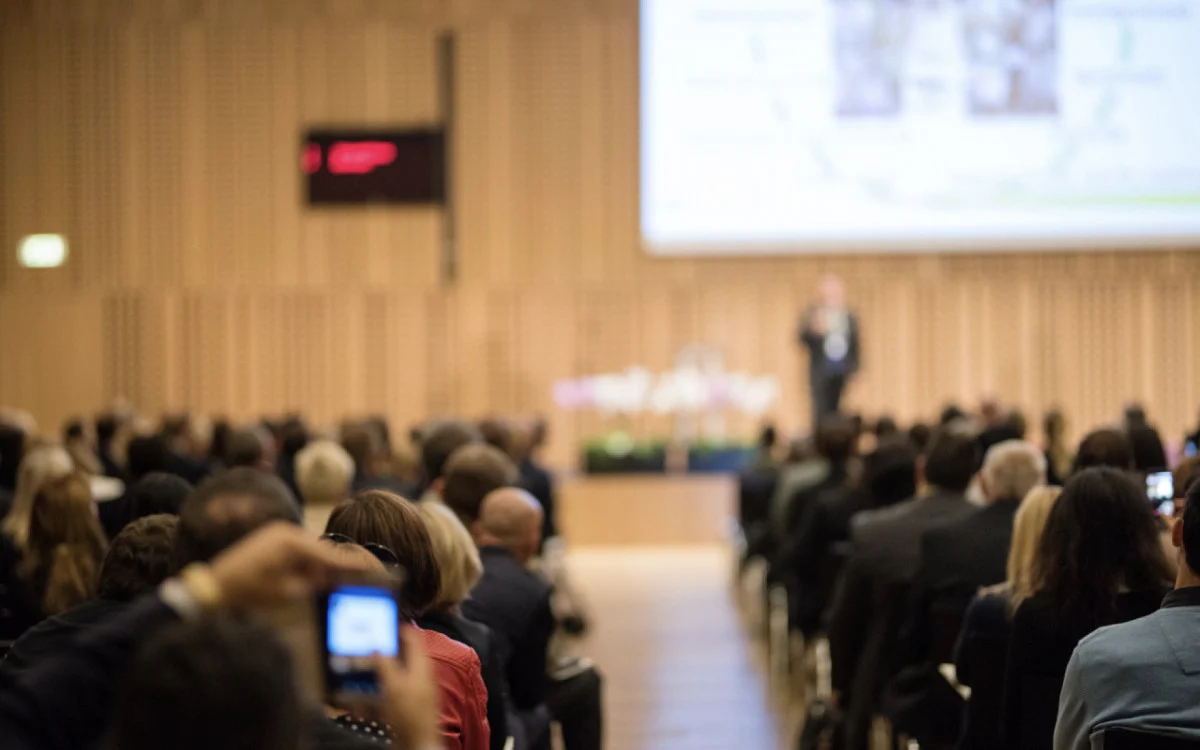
[374, 167]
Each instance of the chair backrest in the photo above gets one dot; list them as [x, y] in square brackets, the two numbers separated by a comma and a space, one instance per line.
[1127, 738]
[755, 490]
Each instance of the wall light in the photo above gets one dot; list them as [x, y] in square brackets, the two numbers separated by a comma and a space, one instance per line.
[42, 251]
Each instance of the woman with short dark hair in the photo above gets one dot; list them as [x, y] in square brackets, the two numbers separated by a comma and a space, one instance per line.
[1100, 562]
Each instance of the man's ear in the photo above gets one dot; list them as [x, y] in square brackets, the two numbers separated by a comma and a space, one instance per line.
[1177, 532]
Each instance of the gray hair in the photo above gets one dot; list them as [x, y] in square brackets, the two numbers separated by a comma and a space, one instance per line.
[1012, 468]
[324, 471]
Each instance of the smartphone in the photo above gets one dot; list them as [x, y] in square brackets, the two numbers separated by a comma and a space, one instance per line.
[1160, 488]
[356, 621]
[1189, 449]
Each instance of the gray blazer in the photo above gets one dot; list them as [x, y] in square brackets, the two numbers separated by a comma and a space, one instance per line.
[1143, 674]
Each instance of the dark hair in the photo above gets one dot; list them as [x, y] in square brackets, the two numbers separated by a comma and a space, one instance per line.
[1017, 423]
[245, 448]
[146, 454]
[497, 433]
[1053, 424]
[227, 507]
[1104, 447]
[885, 427]
[362, 444]
[1191, 526]
[836, 440]
[768, 436]
[891, 474]
[471, 474]
[107, 425]
[538, 432]
[142, 556]
[375, 517]
[951, 460]
[157, 492]
[440, 442]
[175, 425]
[1100, 537]
[1135, 416]
[1148, 452]
[950, 413]
[12, 450]
[72, 429]
[294, 437]
[218, 444]
[379, 425]
[210, 683]
[919, 436]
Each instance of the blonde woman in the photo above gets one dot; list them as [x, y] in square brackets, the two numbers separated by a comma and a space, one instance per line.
[460, 568]
[980, 655]
[41, 465]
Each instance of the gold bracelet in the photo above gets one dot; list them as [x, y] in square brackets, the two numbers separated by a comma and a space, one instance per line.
[202, 585]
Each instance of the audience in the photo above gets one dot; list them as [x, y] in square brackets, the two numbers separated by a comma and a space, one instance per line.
[980, 656]
[472, 472]
[62, 554]
[251, 448]
[293, 437]
[324, 472]
[1142, 673]
[390, 526]
[185, 449]
[146, 454]
[108, 428]
[42, 465]
[1100, 563]
[439, 442]
[1104, 447]
[153, 494]
[142, 556]
[1058, 454]
[536, 479]
[365, 445]
[867, 610]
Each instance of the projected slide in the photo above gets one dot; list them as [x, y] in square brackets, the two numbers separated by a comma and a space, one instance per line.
[874, 125]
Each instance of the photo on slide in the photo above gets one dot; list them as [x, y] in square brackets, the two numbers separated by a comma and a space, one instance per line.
[1012, 49]
[868, 50]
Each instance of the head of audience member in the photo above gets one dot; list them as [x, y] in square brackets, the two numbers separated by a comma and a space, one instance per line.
[362, 444]
[78, 442]
[768, 437]
[41, 466]
[457, 557]
[155, 493]
[471, 473]
[950, 414]
[886, 428]
[539, 432]
[218, 443]
[949, 463]
[440, 442]
[1135, 416]
[1054, 428]
[253, 447]
[1186, 474]
[1101, 539]
[1011, 469]
[144, 455]
[65, 546]
[891, 474]
[1104, 448]
[293, 437]
[12, 449]
[990, 411]
[832, 291]
[1017, 423]
[228, 506]
[176, 430]
[238, 665]
[1028, 525]
[510, 518]
[1185, 535]
[324, 473]
[498, 433]
[837, 441]
[919, 437]
[141, 557]
[107, 425]
[391, 527]
[1148, 451]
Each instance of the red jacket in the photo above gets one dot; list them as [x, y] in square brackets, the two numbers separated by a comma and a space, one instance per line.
[462, 709]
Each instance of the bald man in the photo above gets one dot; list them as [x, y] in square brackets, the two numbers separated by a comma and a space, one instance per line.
[515, 603]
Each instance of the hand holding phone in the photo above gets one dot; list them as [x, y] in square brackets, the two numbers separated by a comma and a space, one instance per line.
[359, 621]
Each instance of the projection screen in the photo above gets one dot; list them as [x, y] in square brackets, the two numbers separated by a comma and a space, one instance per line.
[777, 126]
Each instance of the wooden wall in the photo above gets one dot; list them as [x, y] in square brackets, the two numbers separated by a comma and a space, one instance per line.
[161, 137]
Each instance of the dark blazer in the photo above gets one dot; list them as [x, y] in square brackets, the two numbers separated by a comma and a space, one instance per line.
[1039, 649]
[479, 637]
[540, 483]
[20, 600]
[54, 635]
[515, 603]
[811, 553]
[819, 364]
[957, 559]
[868, 609]
[980, 659]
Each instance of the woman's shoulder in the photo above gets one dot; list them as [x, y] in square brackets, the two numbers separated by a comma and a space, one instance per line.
[448, 652]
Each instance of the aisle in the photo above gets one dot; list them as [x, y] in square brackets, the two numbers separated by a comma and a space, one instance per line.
[678, 668]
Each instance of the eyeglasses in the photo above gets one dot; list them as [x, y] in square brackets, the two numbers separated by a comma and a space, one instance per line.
[381, 553]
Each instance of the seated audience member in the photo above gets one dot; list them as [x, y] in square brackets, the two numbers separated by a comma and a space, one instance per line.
[12, 450]
[155, 493]
[439, 442]
[538, 481]
[392, 528]
[836, 446]
[460, 568]
[980, 655]
[961, 557]
[803, 468]
[1104, 447]
[471, 473]
[185, 455]
[79, 446]
[919, 436]
[498, 433]
[1058, 455]
[1100, 563]
[251, 448]
[142, 556]
[293, 437]
[324, 472]
[867, 610]
[1149, 454]
[1141, 674]
[218, 443]
[364, 445]
[516, 604]
[228, 506]
[42, 465]
[58, 566]
[184, 697]
[109, 427]
[999, 426]
[146, 454]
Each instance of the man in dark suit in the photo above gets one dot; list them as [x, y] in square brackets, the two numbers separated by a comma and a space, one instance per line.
[515, 603]
[536, 479]
[829, 330]
[868, 609]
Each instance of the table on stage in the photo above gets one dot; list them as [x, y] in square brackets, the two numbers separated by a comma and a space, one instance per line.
[646, 509]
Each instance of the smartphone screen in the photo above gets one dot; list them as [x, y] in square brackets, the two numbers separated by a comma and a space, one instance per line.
[1189, 449]
[360, 621]
[1160, 488]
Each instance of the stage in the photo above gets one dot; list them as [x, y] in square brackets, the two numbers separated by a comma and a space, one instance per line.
[646, 510]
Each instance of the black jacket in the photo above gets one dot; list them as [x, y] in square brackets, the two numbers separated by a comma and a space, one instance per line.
[52, 636]
[540, 483]
[819, 363]
[20, 600]
[515, 604]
